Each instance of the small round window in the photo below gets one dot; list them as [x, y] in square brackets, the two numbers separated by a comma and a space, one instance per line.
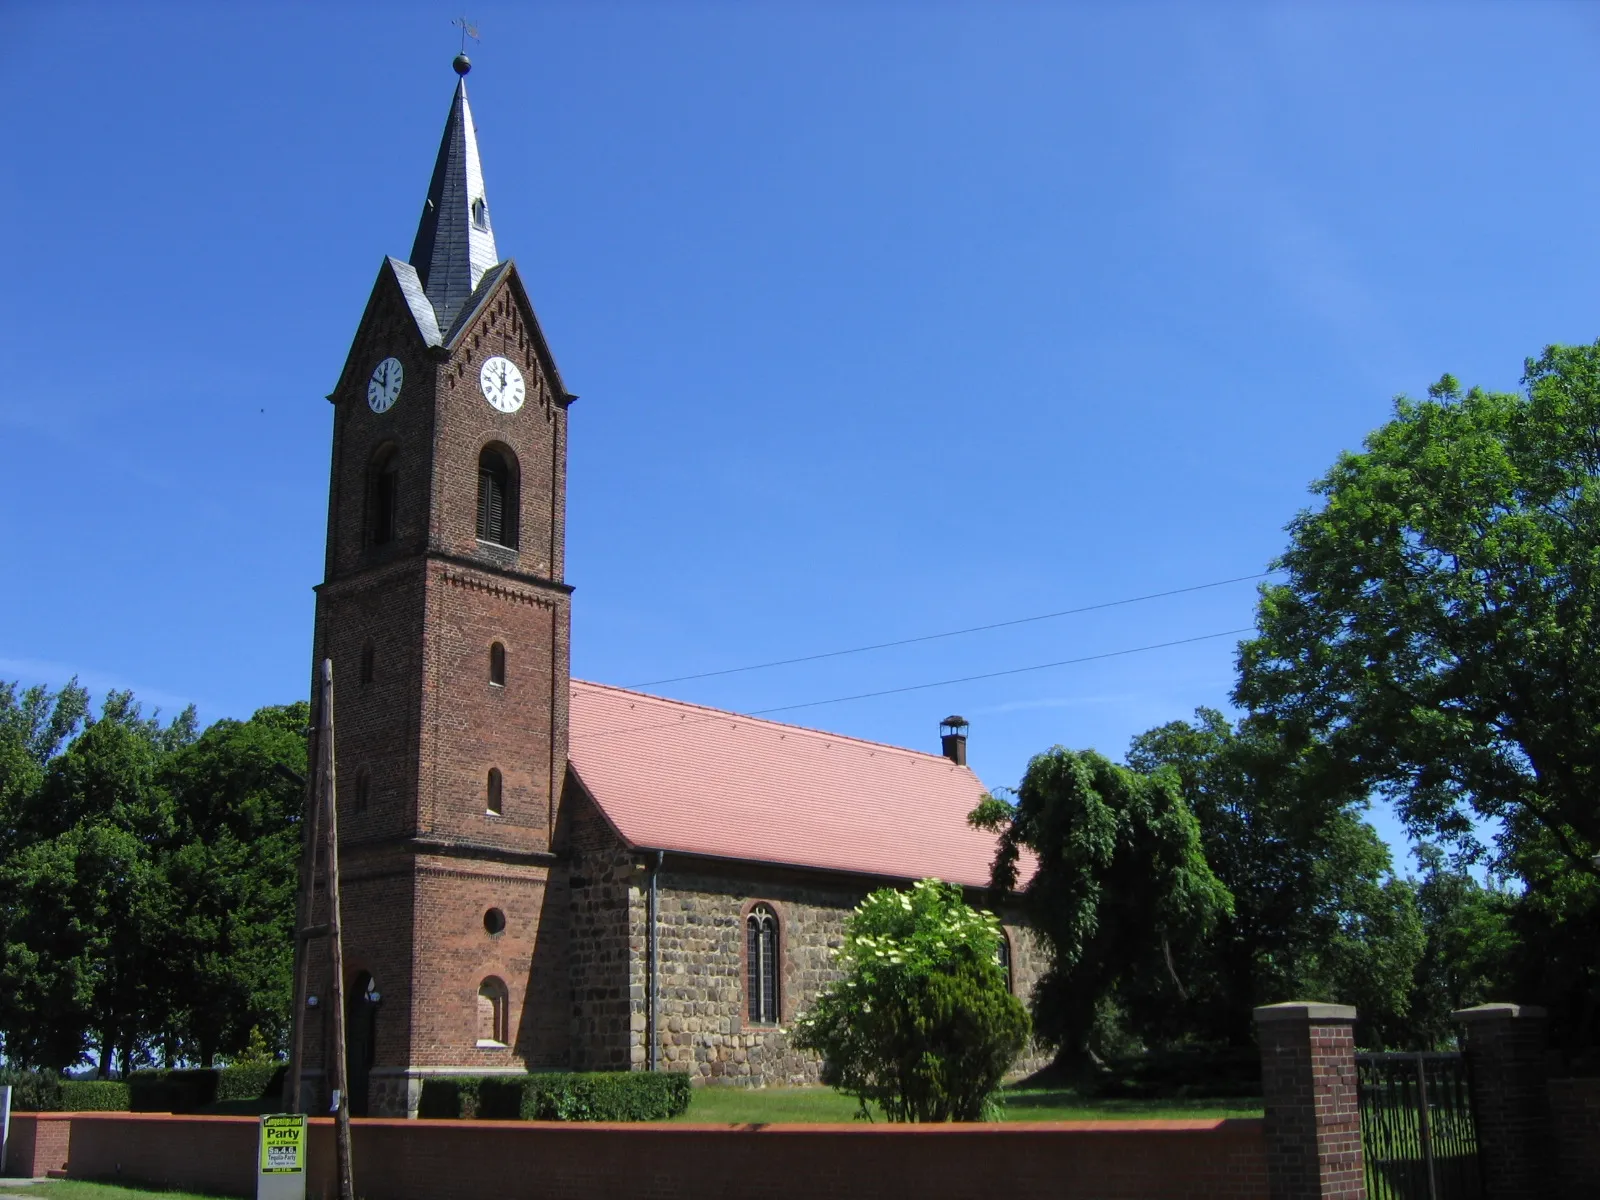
[494, 921]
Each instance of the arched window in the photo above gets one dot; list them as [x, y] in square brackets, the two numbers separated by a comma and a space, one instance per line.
[1002, 955]
[492, 801]
[497, 665]
[492, 1023]
[497, 497]
[761, 965]
[383, 492]
[363, 789]
[367, 656]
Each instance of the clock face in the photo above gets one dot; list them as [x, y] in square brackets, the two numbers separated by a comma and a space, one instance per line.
[383, 389]
[502, 384]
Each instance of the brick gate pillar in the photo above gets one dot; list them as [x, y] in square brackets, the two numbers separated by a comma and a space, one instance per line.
[1313, 1125]
[1510, 1080]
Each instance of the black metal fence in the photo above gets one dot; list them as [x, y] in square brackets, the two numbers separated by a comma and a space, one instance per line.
[1417, 1132]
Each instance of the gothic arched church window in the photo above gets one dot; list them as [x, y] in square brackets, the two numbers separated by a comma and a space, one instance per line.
[761, 965]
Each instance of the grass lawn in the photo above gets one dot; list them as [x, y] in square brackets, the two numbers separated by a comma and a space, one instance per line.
[755, 1106]
[72, 1189]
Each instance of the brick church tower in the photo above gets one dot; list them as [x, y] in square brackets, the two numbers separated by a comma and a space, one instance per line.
[445, 615]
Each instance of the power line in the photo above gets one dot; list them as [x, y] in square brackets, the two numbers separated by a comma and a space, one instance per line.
[918, 687]
[933, 637]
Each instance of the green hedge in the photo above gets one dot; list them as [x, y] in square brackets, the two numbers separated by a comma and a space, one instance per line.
[94, 1095]
[190, 1091]
[33, 1091]
[557, 1096]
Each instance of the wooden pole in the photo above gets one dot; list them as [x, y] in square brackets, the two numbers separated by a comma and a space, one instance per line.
[328, 788]
[305, 909]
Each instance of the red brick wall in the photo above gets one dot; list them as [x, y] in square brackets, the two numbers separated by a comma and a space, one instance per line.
[444, 1160]
[36, 1144]
[1575, 1120]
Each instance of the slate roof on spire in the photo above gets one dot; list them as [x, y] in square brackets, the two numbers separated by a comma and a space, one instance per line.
[455, 241]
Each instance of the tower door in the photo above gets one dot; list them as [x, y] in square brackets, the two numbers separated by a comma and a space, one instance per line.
[361, 1028]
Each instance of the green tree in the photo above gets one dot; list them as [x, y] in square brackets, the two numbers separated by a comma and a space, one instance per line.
[1317, 912]
[90, 952]
[34, 724]
[1470, 948]
[1437, 629]
[1435, 638]
[233, 871]
[1121, 881]
[922, 1024]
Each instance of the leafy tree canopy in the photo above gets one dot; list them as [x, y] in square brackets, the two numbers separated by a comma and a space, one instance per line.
[146, 879]
[1437, 630]
[1317, 912]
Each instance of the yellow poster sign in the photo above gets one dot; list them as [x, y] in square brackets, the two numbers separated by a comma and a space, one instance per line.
[283, 1144]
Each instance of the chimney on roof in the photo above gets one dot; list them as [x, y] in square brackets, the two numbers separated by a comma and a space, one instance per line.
[953, 739]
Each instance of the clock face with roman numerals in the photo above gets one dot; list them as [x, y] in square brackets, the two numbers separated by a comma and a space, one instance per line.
[501, 384]
[383, 389]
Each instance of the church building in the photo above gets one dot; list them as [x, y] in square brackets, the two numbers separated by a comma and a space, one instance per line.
[539, 872]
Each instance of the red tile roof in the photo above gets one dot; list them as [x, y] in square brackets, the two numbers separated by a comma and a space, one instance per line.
[678, 777]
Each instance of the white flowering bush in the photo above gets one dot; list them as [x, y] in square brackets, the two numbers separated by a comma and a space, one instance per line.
[923, 1024]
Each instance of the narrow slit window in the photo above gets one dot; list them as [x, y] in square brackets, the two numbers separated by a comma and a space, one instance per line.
[493, 1025]
[492, 799]
[367, 657]
[363, 789]
[497, 665]
[761, 965]
[383, 500]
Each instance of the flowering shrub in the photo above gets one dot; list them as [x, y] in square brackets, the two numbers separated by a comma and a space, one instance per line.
[923, 1024]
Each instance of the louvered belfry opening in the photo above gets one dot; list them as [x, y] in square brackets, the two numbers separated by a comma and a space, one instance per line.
[383, 497]
[497, 498]
[761, 965]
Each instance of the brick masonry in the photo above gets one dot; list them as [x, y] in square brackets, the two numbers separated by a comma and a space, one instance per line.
[1313, 1114]
[420, 724]
[1505, 1051]
[36, 1144]
[1575, 1124]
[423, 858]
[446, 1160]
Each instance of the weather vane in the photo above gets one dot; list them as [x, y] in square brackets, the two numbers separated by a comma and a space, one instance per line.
[463, 64]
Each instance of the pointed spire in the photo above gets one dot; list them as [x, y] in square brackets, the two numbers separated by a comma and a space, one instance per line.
[455, 242]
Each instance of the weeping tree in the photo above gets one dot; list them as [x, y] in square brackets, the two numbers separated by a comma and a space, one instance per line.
[1118, 881]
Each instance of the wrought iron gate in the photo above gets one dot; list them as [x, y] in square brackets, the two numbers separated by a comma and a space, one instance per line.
[1417, 1132]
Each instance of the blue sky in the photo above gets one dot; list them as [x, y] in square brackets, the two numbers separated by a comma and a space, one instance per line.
[886, 318]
